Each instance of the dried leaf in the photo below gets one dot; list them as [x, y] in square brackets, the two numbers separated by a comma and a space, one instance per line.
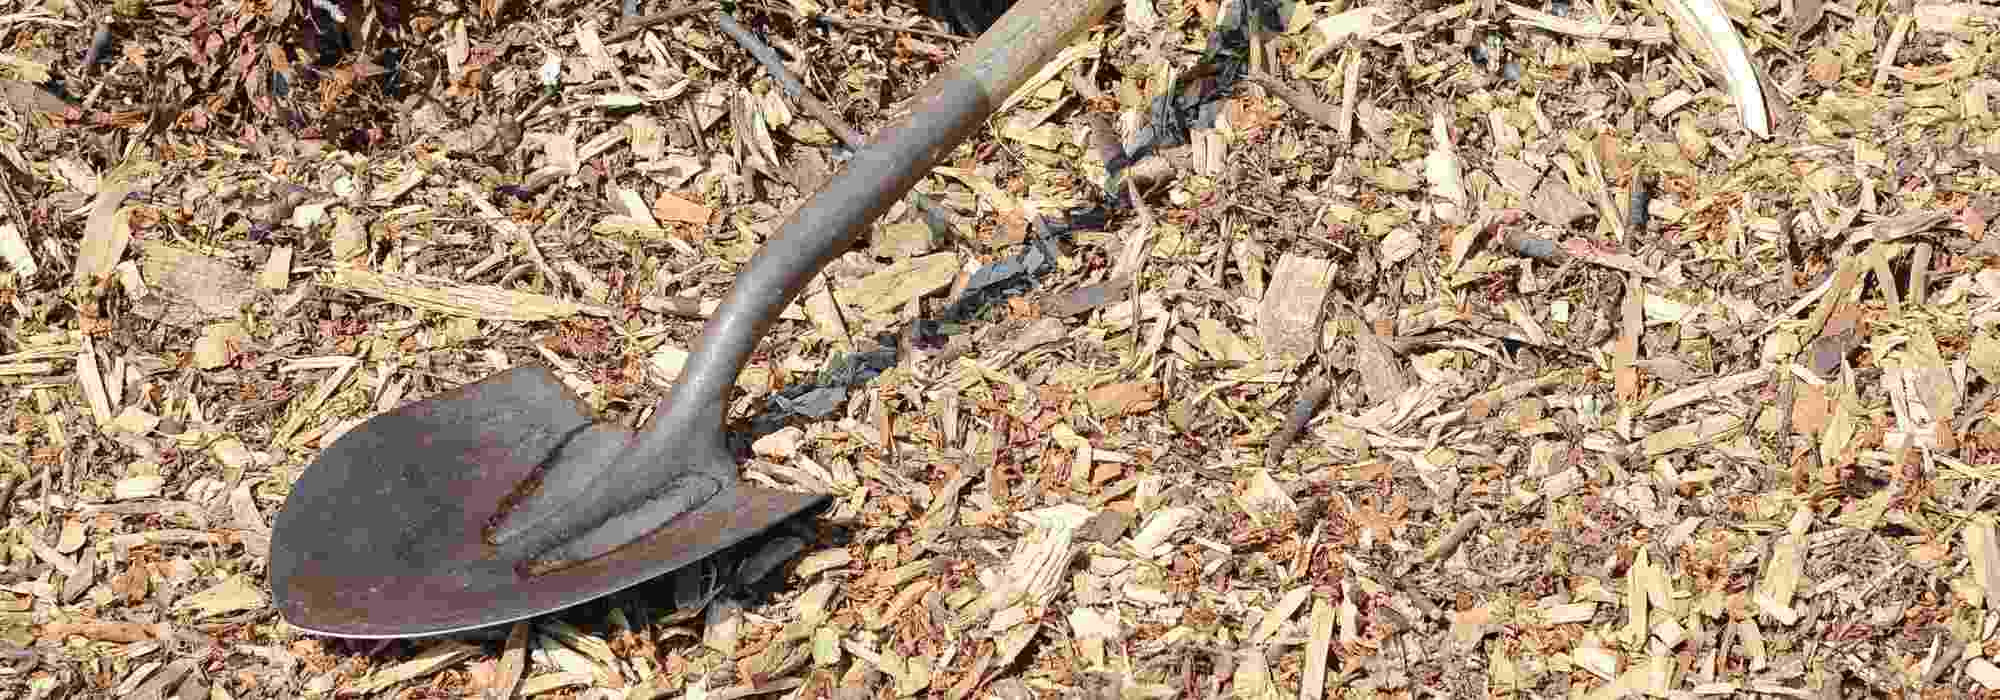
[104, 631]
[1123, 399]
[668, 207]
[233, 594]
[887, 290]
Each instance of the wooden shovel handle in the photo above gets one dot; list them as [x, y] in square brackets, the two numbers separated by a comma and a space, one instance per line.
[947, 110]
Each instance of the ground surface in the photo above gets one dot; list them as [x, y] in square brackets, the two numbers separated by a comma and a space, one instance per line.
[1745, 445]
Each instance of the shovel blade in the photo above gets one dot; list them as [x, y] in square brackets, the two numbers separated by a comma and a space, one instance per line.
[384, 535]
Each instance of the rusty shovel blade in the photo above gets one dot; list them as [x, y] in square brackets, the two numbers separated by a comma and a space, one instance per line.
[385, 535]
[504, 499]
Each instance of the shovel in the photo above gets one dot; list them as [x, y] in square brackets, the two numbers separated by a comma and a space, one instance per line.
[505, 499]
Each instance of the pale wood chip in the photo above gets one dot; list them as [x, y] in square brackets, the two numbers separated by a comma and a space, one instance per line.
[889, 289]
[1288, 320]
[107, 232]
[438, 295]
[1983, 672]
[551, 682]
[1644, 33]
[14, 251]
[1280, 613]
[1714, 388]
[189, 287]
[431, 660]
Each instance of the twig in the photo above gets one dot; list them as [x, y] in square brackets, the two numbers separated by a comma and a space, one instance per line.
[7, 497]
[13, 200]
[768, 57]
[1920, 270]
[1302, 413]
[633, 27]
[848, 135]
[1787, 384]
[528, 116]
[1636, 213]
[1888, 53]
[1350, 95]
[1965, 420]
[1313, 107]
[50, 522]
[1947, 655]
[694, 125]
[1457, 536]
[508, 227]
[1145, 219]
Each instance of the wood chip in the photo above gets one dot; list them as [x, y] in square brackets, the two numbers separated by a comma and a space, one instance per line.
[436, 658]
[1319, 644]
[277, 272]
[15, 253]
[1983, 545]
[1035, 572]
[1161, 529]
[512, 664]
[443, 296]
[551, 682]
[138, 487]
[1983, 672]
[106, 233]
[1253, 680]
[1712, 389]
[219, 344]
[1288, 320]
[1552, 200]
[1278, 614]
[190, 288]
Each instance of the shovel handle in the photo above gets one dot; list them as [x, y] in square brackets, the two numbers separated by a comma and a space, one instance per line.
[948, 108]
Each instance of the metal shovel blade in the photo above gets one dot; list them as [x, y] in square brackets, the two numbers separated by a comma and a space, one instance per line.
[384, 536]
[504, 499]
